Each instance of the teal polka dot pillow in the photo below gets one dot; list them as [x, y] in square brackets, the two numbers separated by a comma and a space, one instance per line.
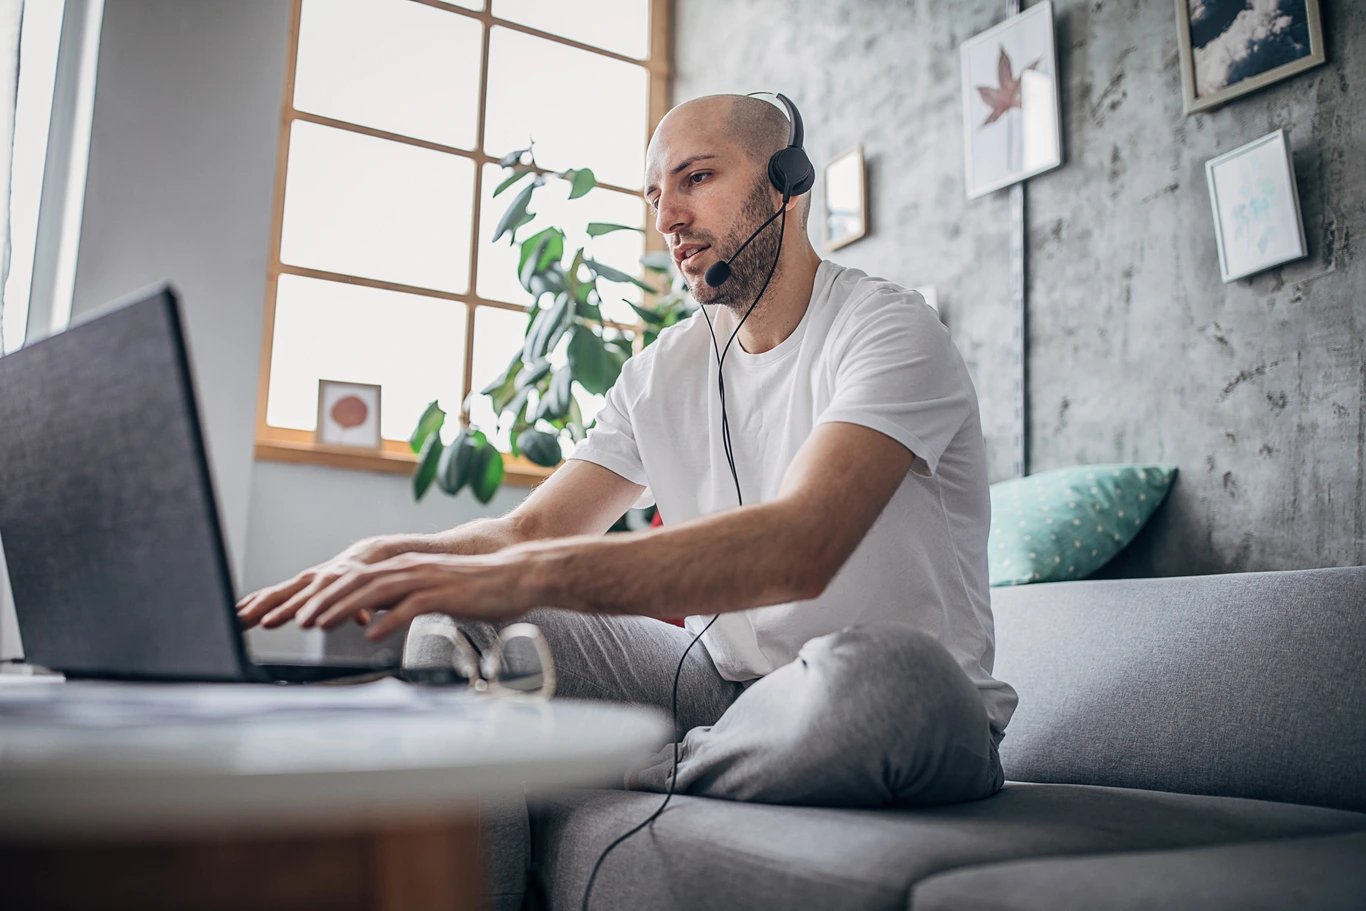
[1067, 523]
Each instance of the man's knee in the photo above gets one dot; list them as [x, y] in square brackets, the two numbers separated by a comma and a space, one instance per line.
[893, 670]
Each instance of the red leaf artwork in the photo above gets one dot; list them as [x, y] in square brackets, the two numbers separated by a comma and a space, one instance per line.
[1006, 95]
[350, 411]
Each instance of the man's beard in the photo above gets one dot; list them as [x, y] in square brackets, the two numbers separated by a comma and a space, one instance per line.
[749, 270]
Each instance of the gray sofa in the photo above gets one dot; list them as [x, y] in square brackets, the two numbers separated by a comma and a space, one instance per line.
[1192, 742]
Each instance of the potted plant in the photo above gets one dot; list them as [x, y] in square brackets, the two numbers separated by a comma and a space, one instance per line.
[534, 399]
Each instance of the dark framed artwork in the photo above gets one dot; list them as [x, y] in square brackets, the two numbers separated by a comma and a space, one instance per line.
[1232, 47]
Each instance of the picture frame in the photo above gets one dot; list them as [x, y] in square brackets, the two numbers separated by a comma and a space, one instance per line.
[1227, 51]
[1012, 123]
[846, 199]
[1257, 220]
[348, 415]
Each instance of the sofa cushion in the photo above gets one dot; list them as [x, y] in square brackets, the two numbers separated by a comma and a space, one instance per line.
[1308, 874]
[714, 854]
[1068, 522]
[1244, 684]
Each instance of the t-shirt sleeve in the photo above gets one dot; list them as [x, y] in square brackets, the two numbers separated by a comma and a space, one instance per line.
[611, 442]
[898, 372]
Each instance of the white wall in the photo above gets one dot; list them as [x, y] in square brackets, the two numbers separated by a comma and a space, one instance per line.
[182, 167]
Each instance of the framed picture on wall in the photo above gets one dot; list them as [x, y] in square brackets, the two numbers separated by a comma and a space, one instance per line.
[1011, 123]
[846, 199]
[348, 415]
[1257, 221]
[1232, 47]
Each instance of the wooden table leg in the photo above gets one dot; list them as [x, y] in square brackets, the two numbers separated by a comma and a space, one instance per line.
[408, 866]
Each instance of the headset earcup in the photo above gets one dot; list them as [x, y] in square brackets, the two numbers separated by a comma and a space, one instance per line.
[791, 172]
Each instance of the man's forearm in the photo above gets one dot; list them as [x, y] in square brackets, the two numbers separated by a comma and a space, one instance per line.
[747, 557]
[480, 536]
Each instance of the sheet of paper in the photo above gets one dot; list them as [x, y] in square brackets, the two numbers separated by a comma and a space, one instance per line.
[106, 703]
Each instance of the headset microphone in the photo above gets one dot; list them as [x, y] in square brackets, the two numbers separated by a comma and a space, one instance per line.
[720, 271]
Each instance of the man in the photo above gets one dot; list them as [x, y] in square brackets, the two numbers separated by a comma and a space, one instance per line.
[850, 659]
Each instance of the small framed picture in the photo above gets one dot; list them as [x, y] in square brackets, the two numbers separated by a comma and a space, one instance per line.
[1231, 47]
[1011, 123]
[348, 415]
[1257, 221]
[846, 199]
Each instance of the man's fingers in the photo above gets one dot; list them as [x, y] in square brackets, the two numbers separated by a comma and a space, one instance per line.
[376, 592]
[257, 605]
[401, 613]
[285, 611]
[324, 596]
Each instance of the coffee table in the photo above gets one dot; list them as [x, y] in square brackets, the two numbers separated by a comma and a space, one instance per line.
[277, 803]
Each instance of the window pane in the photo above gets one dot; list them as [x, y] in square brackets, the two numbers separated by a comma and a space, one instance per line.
[622, 26]
[39, 35]
[413, 346]
[552, 205]
[498, 336]
[393, 65]
[377, 208]
[532, 82]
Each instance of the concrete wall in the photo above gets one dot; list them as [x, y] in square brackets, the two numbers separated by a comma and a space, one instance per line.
[1255, 389]
[182, 169]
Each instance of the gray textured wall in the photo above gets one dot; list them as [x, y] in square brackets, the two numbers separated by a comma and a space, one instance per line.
[1255, 389]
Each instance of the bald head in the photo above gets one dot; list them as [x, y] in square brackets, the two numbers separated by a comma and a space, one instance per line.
[748, 125]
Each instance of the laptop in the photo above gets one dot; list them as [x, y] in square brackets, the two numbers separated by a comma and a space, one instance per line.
[107, 509]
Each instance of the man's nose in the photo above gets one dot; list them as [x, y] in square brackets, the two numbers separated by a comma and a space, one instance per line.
[670, 217]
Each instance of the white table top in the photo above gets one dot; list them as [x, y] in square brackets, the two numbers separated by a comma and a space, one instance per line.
[100, 757]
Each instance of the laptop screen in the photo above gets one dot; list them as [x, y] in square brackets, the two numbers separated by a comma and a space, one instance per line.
[107, 513]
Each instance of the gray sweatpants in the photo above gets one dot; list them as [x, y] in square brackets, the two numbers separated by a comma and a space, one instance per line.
[870, 716]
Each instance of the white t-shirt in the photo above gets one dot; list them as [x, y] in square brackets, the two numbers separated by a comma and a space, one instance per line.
[866, 352]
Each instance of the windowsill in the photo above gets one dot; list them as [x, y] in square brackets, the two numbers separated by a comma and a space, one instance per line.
[394, 458]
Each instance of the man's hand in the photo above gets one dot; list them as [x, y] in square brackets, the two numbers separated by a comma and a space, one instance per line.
[486, 587]
[274, 606]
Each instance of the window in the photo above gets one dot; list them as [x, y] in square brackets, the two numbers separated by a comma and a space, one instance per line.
[396, 114]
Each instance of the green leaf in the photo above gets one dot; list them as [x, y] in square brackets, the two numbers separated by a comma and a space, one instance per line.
[649, 316]
[426, 465]
[589, 311]
[599, 228]
[521, 172]
[541, 447]
[658, 261]
[431, 421]
[502, 389]
[512, 159]
[577, 289]
[545, 333]
[616, 275]
[532, 373]
[516, 215]
[574, 421]
[582, 181]
[554, 402]
[539, 251]
[448, 476]
[486, 475]
[594, 367]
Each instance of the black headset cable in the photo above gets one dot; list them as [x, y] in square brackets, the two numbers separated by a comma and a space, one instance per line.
[730, 460]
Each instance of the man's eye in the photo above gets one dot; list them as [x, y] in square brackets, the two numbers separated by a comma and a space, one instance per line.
[698, 174]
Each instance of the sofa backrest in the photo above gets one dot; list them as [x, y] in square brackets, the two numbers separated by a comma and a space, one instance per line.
[1245, 684]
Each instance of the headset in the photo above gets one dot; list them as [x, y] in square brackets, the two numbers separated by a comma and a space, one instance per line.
[791, 173]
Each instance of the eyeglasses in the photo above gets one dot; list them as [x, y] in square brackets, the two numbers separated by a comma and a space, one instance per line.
[518, 666]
